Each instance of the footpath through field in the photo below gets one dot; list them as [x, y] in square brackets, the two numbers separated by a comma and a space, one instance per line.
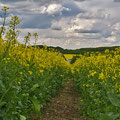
[64, 106]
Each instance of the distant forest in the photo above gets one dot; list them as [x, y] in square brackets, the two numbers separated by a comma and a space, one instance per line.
[81, 50]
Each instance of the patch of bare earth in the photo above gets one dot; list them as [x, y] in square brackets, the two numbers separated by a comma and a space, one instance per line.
[64, 106]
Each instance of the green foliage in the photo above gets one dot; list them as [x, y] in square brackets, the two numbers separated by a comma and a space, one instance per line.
[109, 116]
[35, 37]
[22, 117]
[24, 93]
[74, 59]
[27, 38]
[96, 77]
[113, 99]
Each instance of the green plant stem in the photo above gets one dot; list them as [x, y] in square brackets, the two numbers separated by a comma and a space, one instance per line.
[5, 94]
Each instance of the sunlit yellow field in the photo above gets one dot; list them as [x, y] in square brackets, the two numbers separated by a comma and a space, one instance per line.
[97, 77]
[29, 76]
[69, 56]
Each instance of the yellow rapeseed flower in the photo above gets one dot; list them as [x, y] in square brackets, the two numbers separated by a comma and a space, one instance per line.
[41, 71]
[30, 72]
[101, 76]
[21, 73]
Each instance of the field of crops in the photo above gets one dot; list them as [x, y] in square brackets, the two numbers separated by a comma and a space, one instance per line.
[30, 76]
[97, 78]
[69, 56]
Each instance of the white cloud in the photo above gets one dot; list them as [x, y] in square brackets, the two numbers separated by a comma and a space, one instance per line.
[78, 43]
[54, 9]
[80, 24]
[116, 28]
[61, 22]
[111, 39]
[67, 42]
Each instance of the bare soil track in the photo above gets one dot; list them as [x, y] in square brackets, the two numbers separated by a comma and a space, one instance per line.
[64, 106]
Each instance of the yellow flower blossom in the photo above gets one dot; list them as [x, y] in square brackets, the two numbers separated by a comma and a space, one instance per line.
[101, 76]
[30, 72]
[21, 73]
[41, 71]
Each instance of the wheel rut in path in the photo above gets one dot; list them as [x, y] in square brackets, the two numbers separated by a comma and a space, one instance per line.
[64, 106]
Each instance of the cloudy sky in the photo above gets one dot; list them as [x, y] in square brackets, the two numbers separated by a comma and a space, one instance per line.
[68, 23]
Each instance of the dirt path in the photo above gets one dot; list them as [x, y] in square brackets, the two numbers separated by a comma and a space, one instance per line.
[64, 106]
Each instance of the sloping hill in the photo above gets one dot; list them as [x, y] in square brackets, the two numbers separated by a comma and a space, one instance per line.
[81, 50]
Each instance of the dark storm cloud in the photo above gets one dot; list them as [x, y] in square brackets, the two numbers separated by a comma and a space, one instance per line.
[116, 0]
[42, 1]
[56, 28]
[86, 31]
[32, 17]
[38, 1]
[74, 9]
[80, 0]
[6, 1]
[36, 21]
